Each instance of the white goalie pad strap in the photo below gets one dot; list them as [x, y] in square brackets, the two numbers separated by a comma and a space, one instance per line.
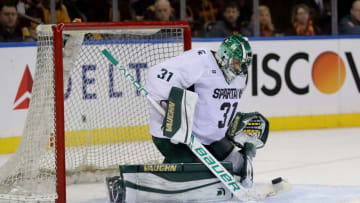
[173, 186]
[179, 117]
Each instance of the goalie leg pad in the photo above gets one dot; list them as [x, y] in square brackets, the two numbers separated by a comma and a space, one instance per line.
[172, 182]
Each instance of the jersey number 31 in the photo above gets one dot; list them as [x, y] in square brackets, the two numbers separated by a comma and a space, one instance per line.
[226, 107]
[165, 75]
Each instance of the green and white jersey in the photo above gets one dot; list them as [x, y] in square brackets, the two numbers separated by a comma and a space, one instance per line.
[217, 103]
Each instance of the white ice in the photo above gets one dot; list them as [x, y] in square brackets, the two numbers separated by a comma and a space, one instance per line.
[323, 166]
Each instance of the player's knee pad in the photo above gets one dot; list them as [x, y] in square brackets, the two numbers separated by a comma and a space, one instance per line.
[171, 182]
[242, 166]
[237, 160]
[224, 150]
[246, 172]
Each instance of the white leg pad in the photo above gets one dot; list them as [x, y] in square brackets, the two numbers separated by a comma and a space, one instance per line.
[198, 185]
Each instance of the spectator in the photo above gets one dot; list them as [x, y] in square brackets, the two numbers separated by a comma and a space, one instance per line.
[350, 24]
[267, 28]
[230, 25]
[9, 29]
[199, 13]
[61, 13]
[302, 22]
[320, 11]
[162, 11]
[31, 17]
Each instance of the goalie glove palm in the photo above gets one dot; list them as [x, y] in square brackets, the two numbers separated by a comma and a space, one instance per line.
[249, 128]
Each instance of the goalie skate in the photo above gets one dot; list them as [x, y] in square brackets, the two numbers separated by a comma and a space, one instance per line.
[114, 188]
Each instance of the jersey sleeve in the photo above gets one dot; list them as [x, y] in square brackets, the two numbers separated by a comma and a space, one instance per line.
[181, 71]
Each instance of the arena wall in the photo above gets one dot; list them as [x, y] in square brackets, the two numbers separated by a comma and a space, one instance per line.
[297, 82]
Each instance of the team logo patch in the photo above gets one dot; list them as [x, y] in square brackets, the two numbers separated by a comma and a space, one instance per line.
[201, 52]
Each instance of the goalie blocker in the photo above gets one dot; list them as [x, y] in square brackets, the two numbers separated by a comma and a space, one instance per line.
[179, 116]
[186, 182]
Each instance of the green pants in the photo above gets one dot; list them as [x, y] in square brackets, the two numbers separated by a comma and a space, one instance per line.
[180, 153]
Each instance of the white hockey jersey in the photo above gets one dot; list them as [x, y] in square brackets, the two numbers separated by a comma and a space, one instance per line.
[217, 103]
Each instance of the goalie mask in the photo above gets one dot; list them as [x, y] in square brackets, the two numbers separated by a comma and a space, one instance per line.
[234, 51]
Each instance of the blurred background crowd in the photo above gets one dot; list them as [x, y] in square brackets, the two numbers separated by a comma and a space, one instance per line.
[208, 18]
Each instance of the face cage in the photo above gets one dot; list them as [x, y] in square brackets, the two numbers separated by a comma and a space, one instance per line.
[243, 68]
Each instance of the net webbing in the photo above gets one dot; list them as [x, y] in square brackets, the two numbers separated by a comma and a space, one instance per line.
[106, 120]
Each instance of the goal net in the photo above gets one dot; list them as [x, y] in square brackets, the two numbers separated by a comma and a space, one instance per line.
[85, 119]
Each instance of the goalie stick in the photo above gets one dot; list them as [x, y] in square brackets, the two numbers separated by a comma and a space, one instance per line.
[242, 193]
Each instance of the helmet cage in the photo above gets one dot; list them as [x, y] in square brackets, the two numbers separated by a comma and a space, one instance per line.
[237, 47]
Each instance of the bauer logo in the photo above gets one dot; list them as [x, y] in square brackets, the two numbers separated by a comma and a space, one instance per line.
[328, 73]
[23, 94]
[217, 168]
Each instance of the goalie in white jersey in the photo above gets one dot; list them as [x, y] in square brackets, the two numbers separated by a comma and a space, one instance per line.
[200, 91]
[219, 78]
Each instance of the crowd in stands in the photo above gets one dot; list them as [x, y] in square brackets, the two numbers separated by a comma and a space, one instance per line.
[208, 18]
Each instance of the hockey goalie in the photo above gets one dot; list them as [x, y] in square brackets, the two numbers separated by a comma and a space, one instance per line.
[199, 91]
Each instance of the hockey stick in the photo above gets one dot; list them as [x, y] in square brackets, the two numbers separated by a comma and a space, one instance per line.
[242, 193]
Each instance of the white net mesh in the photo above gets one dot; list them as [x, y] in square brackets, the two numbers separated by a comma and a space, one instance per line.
[106, 120]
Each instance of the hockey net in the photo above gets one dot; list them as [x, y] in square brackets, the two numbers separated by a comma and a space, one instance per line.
[84, 118]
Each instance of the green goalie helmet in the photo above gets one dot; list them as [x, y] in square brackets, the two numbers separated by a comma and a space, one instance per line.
[235, 46]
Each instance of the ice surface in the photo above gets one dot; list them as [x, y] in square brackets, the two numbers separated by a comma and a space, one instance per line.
[95, 193]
